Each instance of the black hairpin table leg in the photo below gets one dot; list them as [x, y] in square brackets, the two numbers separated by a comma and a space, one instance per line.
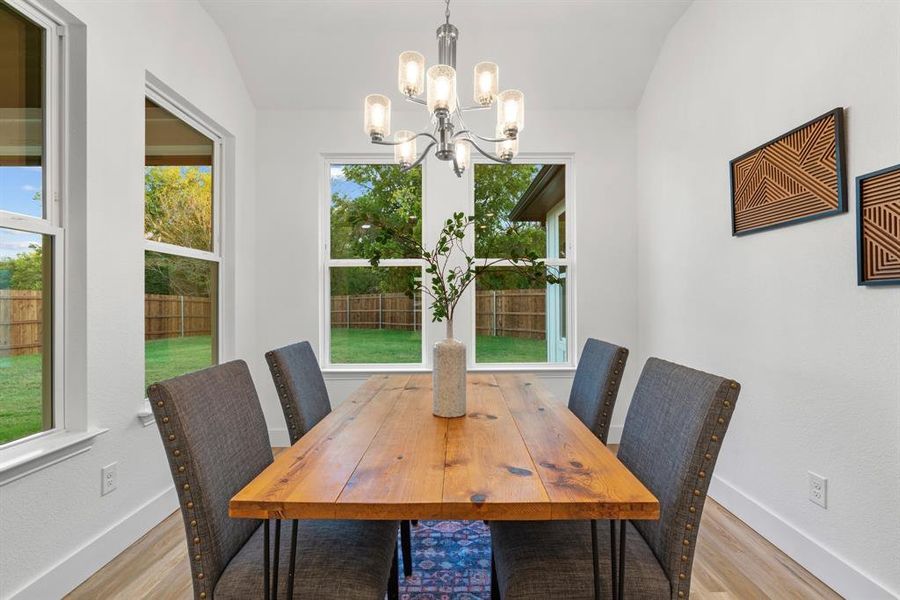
[620, 593]
[292, 566]
[275, 559]
[614, 571]
[595, 559]
[266, 559]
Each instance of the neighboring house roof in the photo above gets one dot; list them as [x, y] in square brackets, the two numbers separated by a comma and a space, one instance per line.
[546, 191]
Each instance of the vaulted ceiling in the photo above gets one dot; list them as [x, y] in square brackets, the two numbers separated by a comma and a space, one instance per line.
[330, 54]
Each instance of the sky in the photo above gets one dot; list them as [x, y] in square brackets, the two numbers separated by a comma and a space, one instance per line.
[17, 188]
[340, 185]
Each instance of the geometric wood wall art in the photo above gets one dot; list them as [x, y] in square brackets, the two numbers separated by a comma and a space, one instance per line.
[878, 227]
[796, 177]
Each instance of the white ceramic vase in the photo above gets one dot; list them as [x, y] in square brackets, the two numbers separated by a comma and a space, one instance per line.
[449, 376]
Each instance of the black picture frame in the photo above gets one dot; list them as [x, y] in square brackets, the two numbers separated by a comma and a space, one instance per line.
[860, 240]
[840, 167]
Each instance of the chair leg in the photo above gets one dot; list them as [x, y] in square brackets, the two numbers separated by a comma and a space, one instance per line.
[394, 579]
[406, 545]
[495, 585]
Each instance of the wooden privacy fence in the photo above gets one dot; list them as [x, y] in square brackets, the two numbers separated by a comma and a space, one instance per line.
[21, 322]
[176, 316]
[510, 313]
[376, 311]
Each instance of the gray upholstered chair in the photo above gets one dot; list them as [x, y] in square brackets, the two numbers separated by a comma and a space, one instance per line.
[304, 400]
[672, 436]
[216, 441]
[596, 385]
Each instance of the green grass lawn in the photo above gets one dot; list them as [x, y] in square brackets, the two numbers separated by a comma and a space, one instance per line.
[20, 396]
[354, 346]
[20, 376]
[20, 380]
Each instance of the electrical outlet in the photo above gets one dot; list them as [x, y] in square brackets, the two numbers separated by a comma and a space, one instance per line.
[818, 489]
[109, 477]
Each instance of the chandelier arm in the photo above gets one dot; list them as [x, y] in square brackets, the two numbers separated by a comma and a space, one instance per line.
[485, 154]
[480, 137]
[419, 160]
[475, 107]
[415, 100]
[418, 135]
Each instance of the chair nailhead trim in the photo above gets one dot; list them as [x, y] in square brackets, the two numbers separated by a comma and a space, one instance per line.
[186, 486]
[715, 438]
[686, 542]
[193, 522]
[190, 505]
[165, 419]
[160, 404]
[681, 576]
[196, 540]
[199, 575]
[171, 437]
[177, 452]
[203, 594]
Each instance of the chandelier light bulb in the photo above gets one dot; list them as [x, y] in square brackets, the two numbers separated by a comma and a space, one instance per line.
[511, 112]
[508, 149]
[378, 116]
[411, 73]
[462, 156]
[441, 82]
[405, 152]
[487, 77]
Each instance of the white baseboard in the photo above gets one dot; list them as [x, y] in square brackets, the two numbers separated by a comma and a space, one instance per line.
[70, 572]
[834, 571]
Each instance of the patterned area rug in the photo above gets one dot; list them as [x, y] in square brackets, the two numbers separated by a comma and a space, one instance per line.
[451, 561]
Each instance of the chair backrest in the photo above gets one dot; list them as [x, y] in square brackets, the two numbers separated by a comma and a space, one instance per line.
[216, 440]
[301, 387]
[596, 385]
[672, 436]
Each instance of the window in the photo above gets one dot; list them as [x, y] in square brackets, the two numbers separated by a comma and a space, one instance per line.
[31, 230]
[520, 210]
[370, 319]
[182, 254]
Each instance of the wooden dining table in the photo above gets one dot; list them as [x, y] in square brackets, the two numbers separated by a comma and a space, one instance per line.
[518, 454]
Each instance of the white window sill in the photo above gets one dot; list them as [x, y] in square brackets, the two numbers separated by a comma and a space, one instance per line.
[145, 415]
[32, 456]
[356, 371]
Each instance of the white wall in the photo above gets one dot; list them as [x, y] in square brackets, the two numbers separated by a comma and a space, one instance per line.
[818, 357]
[289, 167]
[56, 519]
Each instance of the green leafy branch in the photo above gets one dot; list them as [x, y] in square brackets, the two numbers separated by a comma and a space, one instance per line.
[449, 279]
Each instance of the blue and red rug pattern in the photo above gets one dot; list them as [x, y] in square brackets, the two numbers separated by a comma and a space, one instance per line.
[451, 561]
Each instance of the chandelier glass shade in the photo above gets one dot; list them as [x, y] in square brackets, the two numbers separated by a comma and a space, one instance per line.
[448, 135]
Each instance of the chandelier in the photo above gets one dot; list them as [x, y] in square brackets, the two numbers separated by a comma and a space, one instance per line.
[449, 135]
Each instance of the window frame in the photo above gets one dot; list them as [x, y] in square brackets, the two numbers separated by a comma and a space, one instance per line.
[53, 222]
[167, 100]
[326, 263]
[569, 262]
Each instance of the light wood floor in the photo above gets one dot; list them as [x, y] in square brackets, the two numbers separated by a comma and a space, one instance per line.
[732, 561]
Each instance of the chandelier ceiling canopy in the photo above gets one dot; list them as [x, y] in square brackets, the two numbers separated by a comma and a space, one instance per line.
[449, 135]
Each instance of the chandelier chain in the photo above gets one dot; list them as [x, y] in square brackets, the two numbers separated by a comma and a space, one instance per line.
[447, 11]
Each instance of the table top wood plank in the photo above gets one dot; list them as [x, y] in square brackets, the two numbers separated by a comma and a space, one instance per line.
[582, 477]
[401, 475]
[381, 454]
[489, 472]
[307, 478]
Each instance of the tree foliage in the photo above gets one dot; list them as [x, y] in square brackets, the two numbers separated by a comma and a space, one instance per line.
[178, 210]
[25, 271]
